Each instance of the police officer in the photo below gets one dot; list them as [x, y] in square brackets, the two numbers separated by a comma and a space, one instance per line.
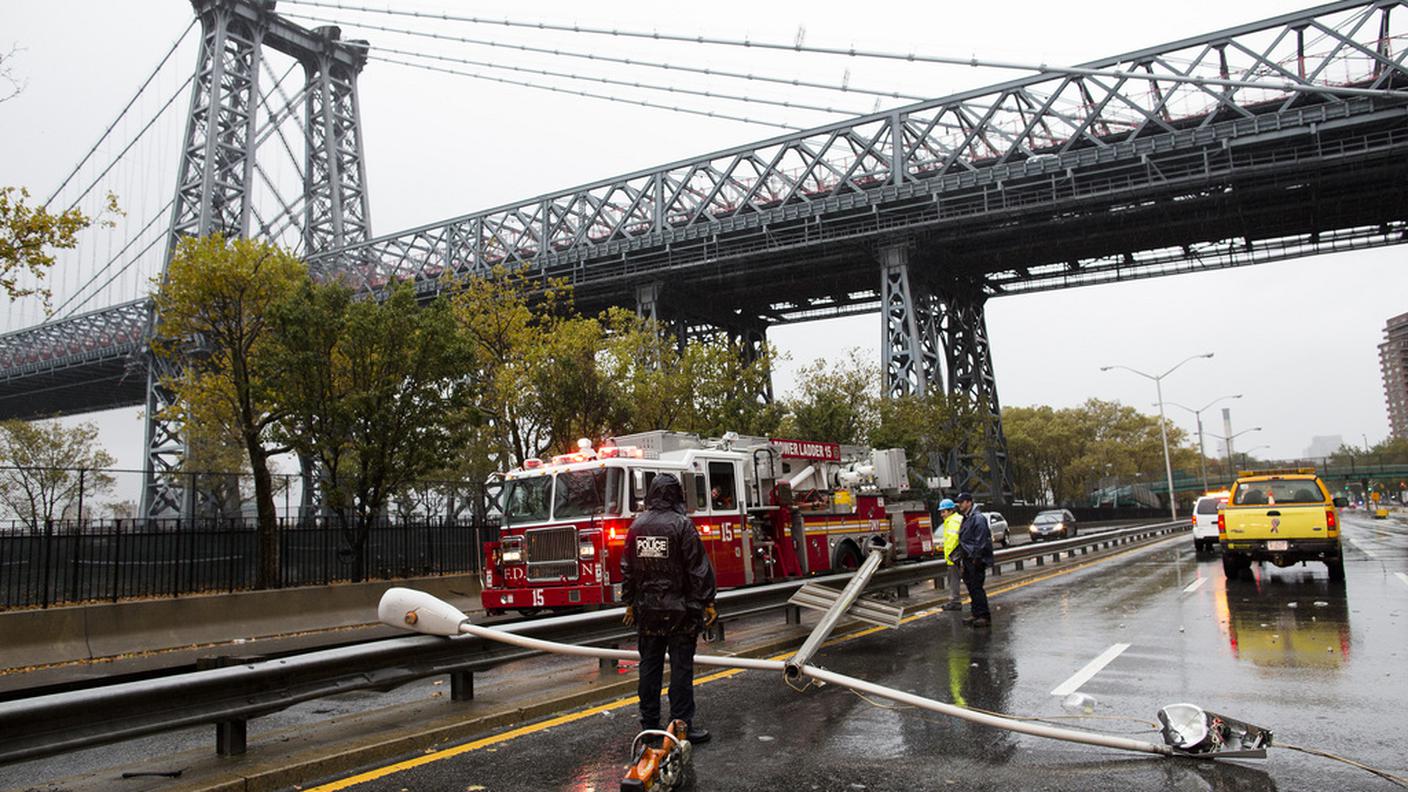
[975, 553]
[667, 584]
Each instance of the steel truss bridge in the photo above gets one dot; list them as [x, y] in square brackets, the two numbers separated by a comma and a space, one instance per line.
[1273, 140]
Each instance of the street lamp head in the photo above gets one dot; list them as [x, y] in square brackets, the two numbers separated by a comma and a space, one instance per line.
[1106, 368]
[1208, 355]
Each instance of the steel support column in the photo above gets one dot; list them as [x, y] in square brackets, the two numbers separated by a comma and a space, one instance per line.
[648, 300]
[213, 191]
[910, 352]
[212, 196]
[963, 330]
[335, 177]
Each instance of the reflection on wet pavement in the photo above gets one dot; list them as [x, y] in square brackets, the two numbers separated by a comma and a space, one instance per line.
[1287, 620]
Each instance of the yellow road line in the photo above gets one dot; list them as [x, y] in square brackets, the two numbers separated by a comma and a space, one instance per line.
[572, 717]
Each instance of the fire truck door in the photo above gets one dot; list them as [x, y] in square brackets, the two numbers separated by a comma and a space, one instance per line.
[728, 550]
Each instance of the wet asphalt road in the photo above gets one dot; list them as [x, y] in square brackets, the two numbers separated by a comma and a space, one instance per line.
[1321, 665]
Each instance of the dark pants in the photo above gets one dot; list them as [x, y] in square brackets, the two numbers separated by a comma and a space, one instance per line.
[974, 572]
[652, 670]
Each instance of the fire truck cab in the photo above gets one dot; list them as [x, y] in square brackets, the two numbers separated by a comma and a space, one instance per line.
[766, 509]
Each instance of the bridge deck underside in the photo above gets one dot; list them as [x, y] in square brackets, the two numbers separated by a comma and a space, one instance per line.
[86, 386]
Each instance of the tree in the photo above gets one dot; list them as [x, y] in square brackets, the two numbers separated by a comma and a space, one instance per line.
[47, 468]
[213, 324]
[707, 386]
[726, 389]
[1391, 450]
[10, 85]
[505, 333]
[837, 403]
[374, 391]
[29, 235]
[927, 427]
[1067, 452]
[1041, 443]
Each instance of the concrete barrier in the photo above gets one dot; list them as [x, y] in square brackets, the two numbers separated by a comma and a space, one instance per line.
[114, 630]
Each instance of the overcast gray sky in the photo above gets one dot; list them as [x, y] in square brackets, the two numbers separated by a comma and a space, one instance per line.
[1298, 338]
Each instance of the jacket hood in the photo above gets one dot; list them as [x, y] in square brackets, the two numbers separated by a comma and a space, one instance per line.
[665, 494]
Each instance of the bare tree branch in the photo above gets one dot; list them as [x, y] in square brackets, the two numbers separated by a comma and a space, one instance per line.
[15, 84]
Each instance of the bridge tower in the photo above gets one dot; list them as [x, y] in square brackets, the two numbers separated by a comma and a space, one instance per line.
[218, 165]
[936, 331]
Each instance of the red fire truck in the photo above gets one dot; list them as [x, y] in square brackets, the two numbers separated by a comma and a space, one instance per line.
[767, 510]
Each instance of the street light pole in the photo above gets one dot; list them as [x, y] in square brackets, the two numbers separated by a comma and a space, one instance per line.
[1163, 422]
[1231, 461]
[1198, 414]
[1168, 464]
[1246, 455]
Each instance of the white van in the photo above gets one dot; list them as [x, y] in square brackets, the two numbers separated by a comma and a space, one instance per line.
[1205, 520]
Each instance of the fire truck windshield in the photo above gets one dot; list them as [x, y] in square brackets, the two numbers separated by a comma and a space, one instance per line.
[578, 493]
[526, 499]
[582, 493]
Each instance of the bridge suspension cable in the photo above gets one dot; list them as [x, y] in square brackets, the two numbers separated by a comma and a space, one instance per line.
[853, 52]
[592, 56]
[59, 311]
[87, 291]
[176, 44]
[145, 128]
[588, 94]
[628, 83]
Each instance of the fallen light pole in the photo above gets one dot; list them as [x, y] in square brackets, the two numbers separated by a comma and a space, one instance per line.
[796, 663]
[423, 613]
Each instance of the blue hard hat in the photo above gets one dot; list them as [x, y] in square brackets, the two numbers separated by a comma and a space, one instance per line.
[947, 504]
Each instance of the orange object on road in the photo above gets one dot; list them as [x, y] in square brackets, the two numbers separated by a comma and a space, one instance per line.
[658, 769]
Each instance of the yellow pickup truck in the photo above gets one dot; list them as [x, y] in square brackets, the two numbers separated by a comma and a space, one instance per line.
[1282, 516]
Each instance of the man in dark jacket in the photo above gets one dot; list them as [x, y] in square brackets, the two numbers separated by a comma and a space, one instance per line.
[667, 584]
[975, 554]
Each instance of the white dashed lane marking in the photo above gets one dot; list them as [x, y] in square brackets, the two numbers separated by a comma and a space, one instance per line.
[1091, 669]
[1366, 551]
[1194, 586]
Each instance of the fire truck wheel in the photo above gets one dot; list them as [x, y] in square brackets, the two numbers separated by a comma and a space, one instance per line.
[529, 612]
[847, 557]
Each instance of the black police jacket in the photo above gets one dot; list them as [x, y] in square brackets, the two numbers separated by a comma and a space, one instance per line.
[665, 573]
[975, 537]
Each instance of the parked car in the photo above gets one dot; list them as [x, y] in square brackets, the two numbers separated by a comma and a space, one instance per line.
[1205, 520]
[1053, 524]
[998, 525]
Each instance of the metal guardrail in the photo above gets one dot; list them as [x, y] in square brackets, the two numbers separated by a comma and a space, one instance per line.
[228, 697]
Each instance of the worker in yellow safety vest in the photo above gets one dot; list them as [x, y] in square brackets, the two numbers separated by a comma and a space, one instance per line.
[948, 512]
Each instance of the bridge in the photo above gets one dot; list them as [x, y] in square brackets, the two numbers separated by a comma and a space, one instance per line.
[1273, 140]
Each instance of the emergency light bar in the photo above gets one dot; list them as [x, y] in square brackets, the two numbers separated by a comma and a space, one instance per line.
[1299, 471]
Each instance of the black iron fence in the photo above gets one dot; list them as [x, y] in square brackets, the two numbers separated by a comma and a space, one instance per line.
[72, 561]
